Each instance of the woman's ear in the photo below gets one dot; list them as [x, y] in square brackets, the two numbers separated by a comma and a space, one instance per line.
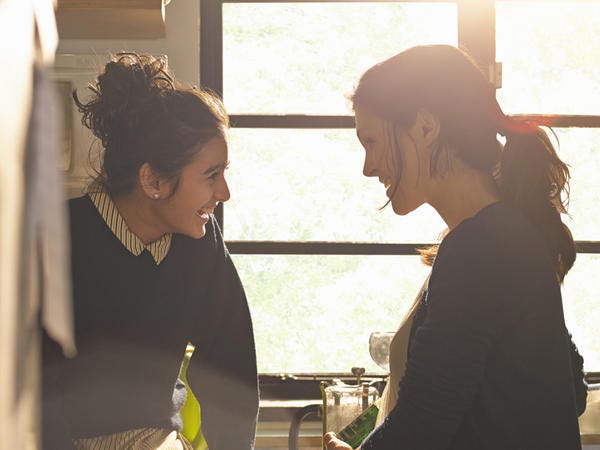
[151, 182]
[427, 125]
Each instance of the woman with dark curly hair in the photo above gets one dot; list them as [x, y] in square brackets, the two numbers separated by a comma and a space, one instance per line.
[490, 364]
[151, 274]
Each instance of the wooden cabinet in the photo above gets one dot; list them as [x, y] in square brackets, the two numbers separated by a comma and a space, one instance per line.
[111, 19]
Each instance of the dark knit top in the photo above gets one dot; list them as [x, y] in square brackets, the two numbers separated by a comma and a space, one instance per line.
[489, 363]
[133, 320]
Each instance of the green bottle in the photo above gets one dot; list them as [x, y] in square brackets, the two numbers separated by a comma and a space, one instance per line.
[356, 431]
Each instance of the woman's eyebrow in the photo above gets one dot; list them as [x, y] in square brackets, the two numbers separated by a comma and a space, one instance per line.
[213, 168]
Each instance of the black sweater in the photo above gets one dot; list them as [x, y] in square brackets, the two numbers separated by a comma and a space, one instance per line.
[489, 363]
[133, 319]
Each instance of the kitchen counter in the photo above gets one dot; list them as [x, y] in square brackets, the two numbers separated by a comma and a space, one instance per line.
[589, 422]
[275, 415]
[590, 439]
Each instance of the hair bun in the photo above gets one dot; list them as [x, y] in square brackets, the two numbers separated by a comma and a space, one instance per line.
[125, 94]
[130, 78]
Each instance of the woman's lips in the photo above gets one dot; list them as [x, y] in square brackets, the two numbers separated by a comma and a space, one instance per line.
[204, 214]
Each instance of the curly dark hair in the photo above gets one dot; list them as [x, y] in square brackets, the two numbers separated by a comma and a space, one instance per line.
[142, 114]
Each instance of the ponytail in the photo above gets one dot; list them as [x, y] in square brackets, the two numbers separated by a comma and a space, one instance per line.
[533, 178]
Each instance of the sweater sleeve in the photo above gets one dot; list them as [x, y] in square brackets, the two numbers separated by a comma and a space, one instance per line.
[580, 386]
[222, 370]
[449, 350]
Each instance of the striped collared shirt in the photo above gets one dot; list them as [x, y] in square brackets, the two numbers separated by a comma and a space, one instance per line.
[139, 439]
[108, 210]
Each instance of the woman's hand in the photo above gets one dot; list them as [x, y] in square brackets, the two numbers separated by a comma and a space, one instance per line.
[333, 443]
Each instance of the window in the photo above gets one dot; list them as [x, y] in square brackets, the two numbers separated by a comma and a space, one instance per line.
[558, 74]
[322, 265]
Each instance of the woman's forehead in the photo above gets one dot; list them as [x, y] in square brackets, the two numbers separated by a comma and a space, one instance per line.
[367, 121]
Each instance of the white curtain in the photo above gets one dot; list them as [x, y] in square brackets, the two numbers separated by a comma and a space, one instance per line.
[27, 37]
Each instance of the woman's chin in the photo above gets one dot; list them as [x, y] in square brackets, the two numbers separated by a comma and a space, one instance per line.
[195, 232]
[402, 209]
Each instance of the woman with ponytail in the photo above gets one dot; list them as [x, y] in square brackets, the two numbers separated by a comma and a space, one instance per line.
[490, 364]
[151, 274]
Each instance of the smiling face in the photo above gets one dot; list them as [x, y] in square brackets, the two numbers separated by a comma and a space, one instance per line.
[406, 187]
[202, 185]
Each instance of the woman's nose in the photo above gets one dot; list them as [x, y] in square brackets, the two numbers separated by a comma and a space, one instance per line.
[369, 169]
[222, 193]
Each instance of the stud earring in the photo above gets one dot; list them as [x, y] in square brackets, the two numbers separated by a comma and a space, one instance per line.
[156, 196]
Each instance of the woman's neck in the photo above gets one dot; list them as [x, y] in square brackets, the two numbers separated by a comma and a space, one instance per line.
[462, 193]
[140, 215]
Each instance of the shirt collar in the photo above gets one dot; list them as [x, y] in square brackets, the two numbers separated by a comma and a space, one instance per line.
[108, 210]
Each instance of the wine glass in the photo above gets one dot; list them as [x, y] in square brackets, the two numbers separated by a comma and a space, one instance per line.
[379, 348]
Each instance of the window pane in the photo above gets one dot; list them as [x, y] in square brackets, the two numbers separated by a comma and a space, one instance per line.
[580, 148]
[303, 58]
[315, 313]
[550, 55]
[308, 185]
[582, 308]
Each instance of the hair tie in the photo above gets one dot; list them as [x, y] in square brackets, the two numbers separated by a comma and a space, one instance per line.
[506, 125]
